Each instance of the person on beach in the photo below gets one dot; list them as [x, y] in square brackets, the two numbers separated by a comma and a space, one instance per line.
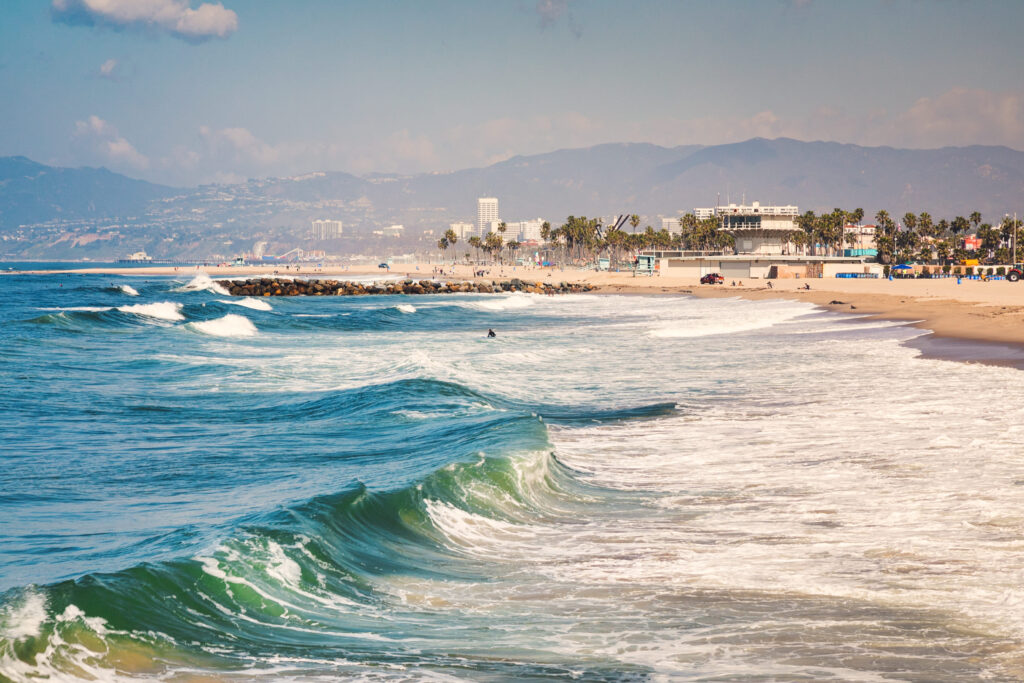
[490, 333]
[770, 285]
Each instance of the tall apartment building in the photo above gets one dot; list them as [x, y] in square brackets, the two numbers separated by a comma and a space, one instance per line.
[326, 229]
[486, 213]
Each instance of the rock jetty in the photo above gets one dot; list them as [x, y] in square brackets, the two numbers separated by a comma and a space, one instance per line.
[285, 287]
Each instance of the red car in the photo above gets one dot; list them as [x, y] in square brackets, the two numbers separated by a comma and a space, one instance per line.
[712, 279]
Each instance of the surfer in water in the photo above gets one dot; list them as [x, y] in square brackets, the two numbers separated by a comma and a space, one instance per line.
[490, 333]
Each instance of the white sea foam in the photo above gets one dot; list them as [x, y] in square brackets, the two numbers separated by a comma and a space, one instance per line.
[249, 302]
[23, 618]
[406, 308]
[129, 290]
[514, 301]
[231, 325]
[745, 318]
[163, 310]
[202, 282]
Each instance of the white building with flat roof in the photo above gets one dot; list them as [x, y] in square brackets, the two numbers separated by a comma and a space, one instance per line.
[530, 230]
[672, 225]
[462, 229]
[759, 229]
[486, 213]
[326, 229]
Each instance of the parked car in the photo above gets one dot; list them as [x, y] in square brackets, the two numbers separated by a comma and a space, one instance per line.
[712, 279]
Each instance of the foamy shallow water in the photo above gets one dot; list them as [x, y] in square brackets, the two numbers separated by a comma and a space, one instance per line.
[612, 488]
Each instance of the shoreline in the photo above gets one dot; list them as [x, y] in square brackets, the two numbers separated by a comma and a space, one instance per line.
[990, 313]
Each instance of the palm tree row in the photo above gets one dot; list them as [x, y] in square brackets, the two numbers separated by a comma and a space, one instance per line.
[918, 238]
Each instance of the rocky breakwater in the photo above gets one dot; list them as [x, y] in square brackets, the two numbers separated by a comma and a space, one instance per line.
[284, 287]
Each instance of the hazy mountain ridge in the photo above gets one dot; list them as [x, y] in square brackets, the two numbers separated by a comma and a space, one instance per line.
[601, 180]
[31, 192]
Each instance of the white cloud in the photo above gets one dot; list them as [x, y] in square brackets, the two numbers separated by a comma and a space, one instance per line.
[175, 17]
[960, 117]
[100, 141]
[108, 69]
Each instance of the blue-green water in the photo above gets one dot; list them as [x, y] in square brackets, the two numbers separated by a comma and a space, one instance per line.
[200, 486]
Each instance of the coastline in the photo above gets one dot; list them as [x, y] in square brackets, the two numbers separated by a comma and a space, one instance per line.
[975, 311]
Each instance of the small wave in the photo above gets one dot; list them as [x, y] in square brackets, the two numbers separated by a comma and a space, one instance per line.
[163, 310]
[82, 309]
[249, 302]
[129, 290]
[406, 308]
[230, 325]
[507, 303]
[203, 283]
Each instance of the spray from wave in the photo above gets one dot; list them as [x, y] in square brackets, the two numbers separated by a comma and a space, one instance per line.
[129, 290]
[203, 283]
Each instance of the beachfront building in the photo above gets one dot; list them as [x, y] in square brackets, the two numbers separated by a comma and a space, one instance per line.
[462, 229]
[326, 229]
[391, 231]
[486, 213]
[859, 240]
[763, 249]
[759, 229]
[672, 225]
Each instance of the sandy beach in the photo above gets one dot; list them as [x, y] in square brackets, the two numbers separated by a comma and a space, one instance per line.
[970, 310]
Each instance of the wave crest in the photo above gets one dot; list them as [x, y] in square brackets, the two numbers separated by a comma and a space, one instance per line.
[231, 325]
[203, 283]
[162, 310]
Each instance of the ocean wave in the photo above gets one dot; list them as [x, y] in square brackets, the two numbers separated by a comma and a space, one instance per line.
[203, 283]
[163, 310]
[231, 325]
[406, 308]
[249, 302]
[129, 290]
[514, 301]
[745, 318]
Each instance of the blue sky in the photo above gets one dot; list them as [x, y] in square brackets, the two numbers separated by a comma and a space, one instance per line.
[187, 91]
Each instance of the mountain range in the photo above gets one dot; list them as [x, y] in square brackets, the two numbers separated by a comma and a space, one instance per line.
[597, 181]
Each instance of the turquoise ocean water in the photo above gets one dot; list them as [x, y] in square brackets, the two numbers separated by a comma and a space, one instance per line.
[201, 487]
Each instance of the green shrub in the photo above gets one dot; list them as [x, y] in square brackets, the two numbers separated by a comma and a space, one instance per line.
[946, 268]
[957, 270]
[989, 272]
[969, 270]
[1001, 270]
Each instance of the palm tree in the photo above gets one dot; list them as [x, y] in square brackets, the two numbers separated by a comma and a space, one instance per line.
[502, 228]
[975, 219]
[493, 244]
[512, 246]
[452, 239]
[634, 220]
[442, 244]
[475, 242]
